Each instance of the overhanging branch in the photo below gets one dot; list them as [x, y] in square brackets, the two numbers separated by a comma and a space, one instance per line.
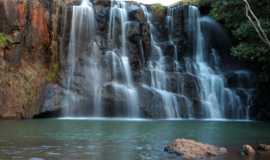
[256, 23]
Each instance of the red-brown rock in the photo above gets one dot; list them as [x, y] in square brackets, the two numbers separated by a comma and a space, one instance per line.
[248, 150]
[190, 149]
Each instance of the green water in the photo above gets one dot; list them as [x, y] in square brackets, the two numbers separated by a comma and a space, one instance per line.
[54, 139]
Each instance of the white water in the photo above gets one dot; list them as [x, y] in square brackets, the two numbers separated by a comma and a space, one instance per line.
[156, 66]
[82, 29]
[119, 8]
[217, 100]
[215, 97]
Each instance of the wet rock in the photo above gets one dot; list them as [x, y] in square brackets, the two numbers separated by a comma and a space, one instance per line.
[133, 31]
[240, 79]
[136, 13]
[147, 96]
[114, 99]
[103, 3]
[190, 149]
[248, 150]
[102, 17]
[51, 105]
[168, 48]
[264, 147]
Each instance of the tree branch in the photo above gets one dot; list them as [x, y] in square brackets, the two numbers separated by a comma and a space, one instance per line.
[256, 23]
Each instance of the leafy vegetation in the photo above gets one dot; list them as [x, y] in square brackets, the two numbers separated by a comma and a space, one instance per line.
[247, 44]
[158, 10]
[195, 2]
[4, 40]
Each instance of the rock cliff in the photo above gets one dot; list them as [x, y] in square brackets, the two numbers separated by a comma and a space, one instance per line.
[34, 47]
[28, 54]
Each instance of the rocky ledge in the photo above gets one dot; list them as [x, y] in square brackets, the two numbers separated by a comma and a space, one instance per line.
[190, 149]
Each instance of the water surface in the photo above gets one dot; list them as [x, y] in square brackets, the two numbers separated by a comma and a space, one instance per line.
[85, 139]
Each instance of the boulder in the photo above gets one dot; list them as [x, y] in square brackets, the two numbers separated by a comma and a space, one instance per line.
[147, 96]
[248, 150]
[264, 147]
[190, 149]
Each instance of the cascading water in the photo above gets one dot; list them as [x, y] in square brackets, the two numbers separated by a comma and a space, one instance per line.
[101, 79]
[118, 10]
[211, 84]
[81, 34]
[158, 76]
[83, 47]
[215, 97]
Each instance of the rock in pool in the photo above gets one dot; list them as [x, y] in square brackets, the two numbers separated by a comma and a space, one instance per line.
[190, 149]
[264, 148]
[248, 150]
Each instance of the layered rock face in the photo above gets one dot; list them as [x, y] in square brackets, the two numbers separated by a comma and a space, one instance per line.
[28, 51]
[106, 58]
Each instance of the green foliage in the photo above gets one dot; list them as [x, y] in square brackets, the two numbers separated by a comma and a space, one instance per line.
[158, 9]
[252, 52]
[247, 44]
[4, 40]
[195, 2]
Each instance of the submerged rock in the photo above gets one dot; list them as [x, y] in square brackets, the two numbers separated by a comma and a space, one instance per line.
[248, 150]
[190, 149]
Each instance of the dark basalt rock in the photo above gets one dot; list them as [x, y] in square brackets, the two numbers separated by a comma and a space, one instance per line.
[150, 109]
[102, 17]
[51, 100]
[136, 13]
[240, 79]
[133, 32]
[104, 3]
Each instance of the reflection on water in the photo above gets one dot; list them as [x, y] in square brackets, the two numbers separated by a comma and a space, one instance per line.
[120, 140]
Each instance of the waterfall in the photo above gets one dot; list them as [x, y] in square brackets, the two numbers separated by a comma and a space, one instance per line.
[118, 10]
[100, 78]
[216, 98]
[158, 75]
[82, 31]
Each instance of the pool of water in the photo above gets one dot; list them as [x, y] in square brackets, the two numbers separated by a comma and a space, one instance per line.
[103, 139]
